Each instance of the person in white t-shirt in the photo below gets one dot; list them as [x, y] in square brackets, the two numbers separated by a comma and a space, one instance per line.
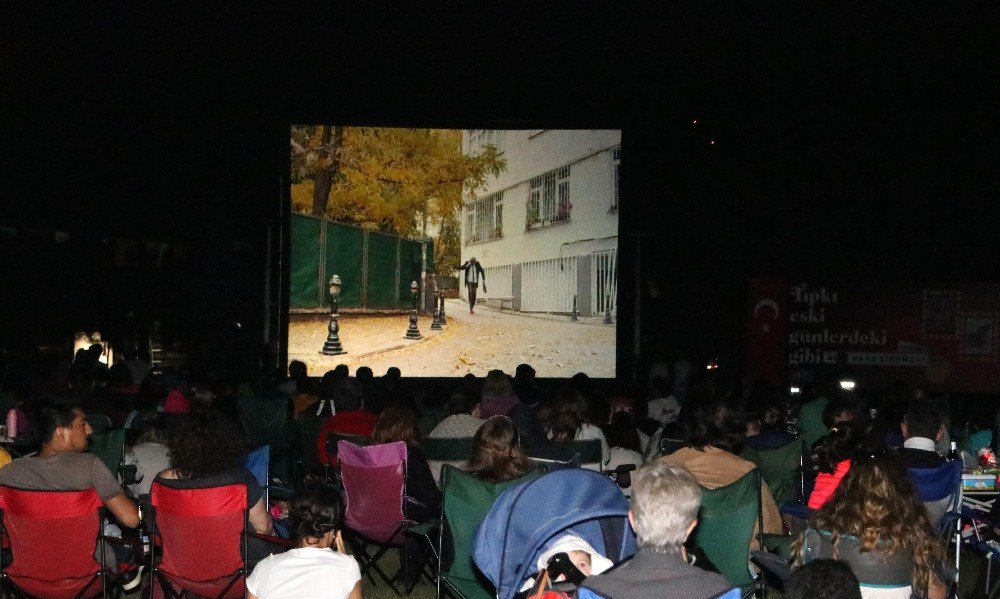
[319, 566]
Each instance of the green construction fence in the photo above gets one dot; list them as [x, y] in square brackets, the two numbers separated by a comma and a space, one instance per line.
[375, 269]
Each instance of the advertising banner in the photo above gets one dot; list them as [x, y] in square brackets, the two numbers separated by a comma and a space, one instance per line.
[939, 336]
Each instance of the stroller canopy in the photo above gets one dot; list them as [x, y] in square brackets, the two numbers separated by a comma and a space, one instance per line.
[526, 518]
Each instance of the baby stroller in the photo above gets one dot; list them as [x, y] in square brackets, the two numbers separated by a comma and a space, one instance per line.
[525, 519]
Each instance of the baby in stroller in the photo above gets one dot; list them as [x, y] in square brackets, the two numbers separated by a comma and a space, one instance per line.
[563, 524]
[568, 559]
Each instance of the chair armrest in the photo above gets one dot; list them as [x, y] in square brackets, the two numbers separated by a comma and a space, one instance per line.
[778, 544]
[424, 528]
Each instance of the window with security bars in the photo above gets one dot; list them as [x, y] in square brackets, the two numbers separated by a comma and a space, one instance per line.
[484, 219]
[616, 158]
[548, 199]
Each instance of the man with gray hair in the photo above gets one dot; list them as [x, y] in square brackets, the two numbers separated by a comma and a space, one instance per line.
[664, 511]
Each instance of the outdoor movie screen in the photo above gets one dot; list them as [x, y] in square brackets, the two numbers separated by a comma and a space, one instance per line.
[446, 252]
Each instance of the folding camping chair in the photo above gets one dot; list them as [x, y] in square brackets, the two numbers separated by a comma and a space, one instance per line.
[374, 482]
[440, 452]
[327, 442]
[110, 447]
[466, 500]
[52, 537]
[585, 454]
[726, 526]
[99, 422]
[202, 535]
[307, 430]
[668, 446]
[781, 469]
[258, 462]
[940, 489]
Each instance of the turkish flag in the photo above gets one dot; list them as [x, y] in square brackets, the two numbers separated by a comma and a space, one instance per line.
[767, 330]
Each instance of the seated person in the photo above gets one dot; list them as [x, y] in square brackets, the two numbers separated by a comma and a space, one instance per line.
[497, 454]
[460, 422]
[150, 455]
[350, 417]
[772, 433]
[399, 423]
[208, 451]
[922, 428]
[877, 524]
[62, 464]
[319, 562]
[833, 458]
[713, 432]
[822, 579]
[665, 502]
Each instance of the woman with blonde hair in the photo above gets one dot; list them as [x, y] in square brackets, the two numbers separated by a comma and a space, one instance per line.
[497, 454]
[877, 524]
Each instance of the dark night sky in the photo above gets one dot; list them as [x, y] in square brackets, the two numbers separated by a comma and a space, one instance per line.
[856, 144]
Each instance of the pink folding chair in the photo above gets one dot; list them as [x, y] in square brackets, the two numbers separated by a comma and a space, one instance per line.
[374, 480]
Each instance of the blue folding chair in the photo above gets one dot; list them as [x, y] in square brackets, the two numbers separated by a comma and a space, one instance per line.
[940, 489]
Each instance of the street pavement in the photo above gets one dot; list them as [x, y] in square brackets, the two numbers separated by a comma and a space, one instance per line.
[476, 343]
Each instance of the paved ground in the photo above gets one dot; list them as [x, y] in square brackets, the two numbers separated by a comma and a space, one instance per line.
[472, 343]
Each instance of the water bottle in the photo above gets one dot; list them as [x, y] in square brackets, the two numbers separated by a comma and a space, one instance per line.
[953, 453]
[12, 423]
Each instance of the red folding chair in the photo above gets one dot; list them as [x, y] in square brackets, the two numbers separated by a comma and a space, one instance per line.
[53, 536]
[203, 545]
[374, 480]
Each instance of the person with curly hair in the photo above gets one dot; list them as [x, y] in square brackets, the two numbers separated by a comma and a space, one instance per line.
[497, 454]
[877, 524]
[320, 562]
[209, 451]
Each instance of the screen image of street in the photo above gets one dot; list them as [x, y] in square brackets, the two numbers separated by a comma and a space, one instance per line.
[447, 252]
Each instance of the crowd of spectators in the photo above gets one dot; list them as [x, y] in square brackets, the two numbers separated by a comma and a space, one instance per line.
[189, 431]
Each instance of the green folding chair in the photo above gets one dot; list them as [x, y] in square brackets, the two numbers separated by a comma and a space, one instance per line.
[109, 446]
[306, 432]
[726, 526]
[454, 451]
[781, 469]
[466, 501]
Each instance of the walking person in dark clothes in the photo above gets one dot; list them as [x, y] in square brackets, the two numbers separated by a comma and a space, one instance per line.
[473, 272]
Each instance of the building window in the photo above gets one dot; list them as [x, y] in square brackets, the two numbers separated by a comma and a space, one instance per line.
[548, 199]
[480, 138]
[484, 219]
[616, 159]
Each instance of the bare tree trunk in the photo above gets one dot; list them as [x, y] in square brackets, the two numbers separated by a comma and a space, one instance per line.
[323, 181]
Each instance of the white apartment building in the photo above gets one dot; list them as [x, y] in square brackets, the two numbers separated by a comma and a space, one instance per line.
[546, 229]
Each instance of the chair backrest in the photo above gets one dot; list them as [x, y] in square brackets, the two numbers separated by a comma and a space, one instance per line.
[110, 447]
[939, 488]
[330, 441]
[258, 462]
[781, 469]
[307, 432]
[725, 526]
[374, 480]
[453, 451]
[53, 537]
[202, 534]
[588, 451]
[873, 569]
[668, 446]
[466, 501]
[99, 422]
[265, 419]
